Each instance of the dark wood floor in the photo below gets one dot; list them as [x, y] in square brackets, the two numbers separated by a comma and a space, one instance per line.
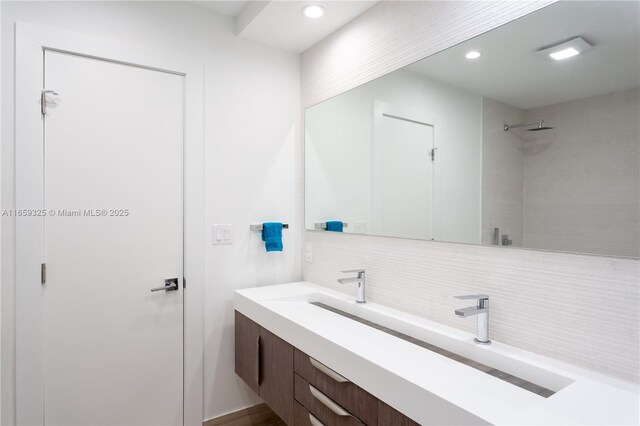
[259, 415]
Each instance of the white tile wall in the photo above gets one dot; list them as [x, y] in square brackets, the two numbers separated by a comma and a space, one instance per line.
[502, 173]
[581, 309]
[591, 154]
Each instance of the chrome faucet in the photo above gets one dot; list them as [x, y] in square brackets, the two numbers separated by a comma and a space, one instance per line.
[359, 278]
[482, 311]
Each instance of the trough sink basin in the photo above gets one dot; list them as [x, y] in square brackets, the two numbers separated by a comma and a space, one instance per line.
[529, 377]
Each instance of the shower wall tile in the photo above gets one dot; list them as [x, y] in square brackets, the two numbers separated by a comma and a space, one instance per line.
[502, 173]
[603, 132]
[581, 309]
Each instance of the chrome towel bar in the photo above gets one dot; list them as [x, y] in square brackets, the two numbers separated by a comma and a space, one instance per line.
[258, 226]
[323, 225]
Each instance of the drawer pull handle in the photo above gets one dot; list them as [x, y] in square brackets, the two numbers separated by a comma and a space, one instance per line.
[327, 402]
[326, 370]
[314, 420]
[257, 367]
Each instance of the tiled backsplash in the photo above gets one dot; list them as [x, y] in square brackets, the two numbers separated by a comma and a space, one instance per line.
[577, 308]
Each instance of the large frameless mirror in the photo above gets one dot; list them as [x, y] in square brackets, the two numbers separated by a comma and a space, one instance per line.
[526, 136]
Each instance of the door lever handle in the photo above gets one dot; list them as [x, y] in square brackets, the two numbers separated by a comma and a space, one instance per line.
[170, 284]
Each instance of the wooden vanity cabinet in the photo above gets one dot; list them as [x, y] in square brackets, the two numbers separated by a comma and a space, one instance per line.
[388, 416]
[302, 416]
[339, 389]
[323, 408]
[265, 363]
[247, 343]
[301, 390]
[276, 374]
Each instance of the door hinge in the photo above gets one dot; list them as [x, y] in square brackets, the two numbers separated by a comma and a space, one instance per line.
[184, 282]
[49, 98]
[43, 273]
[432, 154]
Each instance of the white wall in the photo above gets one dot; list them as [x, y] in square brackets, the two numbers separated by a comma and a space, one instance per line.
[582, 179]
[338, 159]
[252, 124]
[339, 143]
[2, 357]
[581, 309]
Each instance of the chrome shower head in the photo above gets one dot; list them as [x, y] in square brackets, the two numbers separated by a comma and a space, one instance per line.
[540, 127]
[538, 124]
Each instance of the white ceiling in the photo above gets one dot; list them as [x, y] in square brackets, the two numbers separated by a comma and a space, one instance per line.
[227, 8]
[281, 24]
[509, 70]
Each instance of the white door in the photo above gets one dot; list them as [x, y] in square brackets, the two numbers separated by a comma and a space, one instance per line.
[113, 349]
[403, 176]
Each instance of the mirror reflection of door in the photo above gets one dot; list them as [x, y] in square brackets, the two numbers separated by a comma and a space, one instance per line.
[402, 172]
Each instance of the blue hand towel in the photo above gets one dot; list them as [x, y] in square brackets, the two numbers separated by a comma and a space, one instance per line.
[272, 236]
[334, 226]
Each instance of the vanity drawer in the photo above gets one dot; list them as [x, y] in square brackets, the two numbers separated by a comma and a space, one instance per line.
[346, 394]
[327, 411]
[388, 416]
[302, 416]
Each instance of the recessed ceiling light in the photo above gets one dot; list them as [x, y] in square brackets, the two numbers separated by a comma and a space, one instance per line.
[313, 11]
[565, 50]
[564, 53]
[474, 54]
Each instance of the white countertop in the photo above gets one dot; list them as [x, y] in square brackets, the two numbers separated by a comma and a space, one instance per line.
[426, 386]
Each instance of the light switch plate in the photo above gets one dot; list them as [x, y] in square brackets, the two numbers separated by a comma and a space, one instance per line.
[308, 252]
[221, 234]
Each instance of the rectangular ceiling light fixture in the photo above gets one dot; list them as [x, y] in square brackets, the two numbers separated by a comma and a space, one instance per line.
[565, 50]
